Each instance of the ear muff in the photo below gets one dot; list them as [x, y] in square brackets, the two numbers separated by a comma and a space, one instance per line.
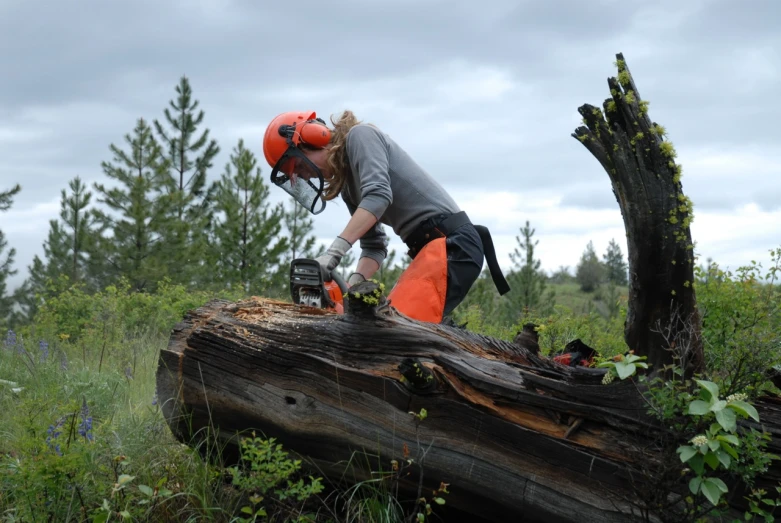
[315, 134]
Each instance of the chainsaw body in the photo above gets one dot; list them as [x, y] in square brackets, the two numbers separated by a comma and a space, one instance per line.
[309, 288]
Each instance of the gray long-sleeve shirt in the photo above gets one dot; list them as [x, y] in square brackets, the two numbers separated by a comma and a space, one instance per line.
[388, 183]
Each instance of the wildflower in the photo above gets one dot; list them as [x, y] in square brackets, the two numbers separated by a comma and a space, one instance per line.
[608, 378]
[44, 348]
[738, 396]
[699, 441]
[10, 339]
[85, 427]
[128, 373]
[54, 432]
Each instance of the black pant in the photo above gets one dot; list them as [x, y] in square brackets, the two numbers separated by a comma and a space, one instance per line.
[464, 264]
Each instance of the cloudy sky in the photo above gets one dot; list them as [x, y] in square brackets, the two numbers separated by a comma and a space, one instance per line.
[483, 94]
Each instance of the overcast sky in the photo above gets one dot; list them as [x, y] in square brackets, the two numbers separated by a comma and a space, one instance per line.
[484, 95]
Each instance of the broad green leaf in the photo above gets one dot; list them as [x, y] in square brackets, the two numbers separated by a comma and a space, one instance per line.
[724, 458]
[712, 460]
[709, 386]
[687, 451]
[698, 407]
[714, 444]
[729, 450]
[711, 491]
[744, 409]
[439, 501]
[624, 370]
[729, 438]
[694, 485]
[719, 405]
[719, 483]
[697, 464]
[726, 419]
[146, 490]
[125, 479]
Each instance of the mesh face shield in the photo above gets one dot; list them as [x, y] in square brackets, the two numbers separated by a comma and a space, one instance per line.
[300, 178]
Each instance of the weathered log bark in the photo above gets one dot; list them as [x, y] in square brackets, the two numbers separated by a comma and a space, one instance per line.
[647, 184]
[517, 437]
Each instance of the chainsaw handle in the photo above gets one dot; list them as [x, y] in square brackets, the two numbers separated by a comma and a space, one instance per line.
[339, 281]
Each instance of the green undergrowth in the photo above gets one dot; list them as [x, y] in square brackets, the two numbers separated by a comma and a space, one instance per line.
[83, 437]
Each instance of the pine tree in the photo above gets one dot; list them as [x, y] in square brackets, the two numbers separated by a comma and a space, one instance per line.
[190, 157]
[301, 243]
[248, 245]
[615, 266]
[6, 271]
[527, 281]
[590, 272]
[138, 212]
[299, 225]
[67, 250]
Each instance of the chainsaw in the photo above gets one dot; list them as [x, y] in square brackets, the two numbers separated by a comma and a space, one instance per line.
[308, 286]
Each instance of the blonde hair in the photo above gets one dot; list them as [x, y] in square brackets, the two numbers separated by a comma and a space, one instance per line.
[336, 159]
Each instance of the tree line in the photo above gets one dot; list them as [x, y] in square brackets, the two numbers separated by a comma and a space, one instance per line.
[156, 217]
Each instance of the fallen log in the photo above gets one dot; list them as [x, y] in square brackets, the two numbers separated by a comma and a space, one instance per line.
[516, 436]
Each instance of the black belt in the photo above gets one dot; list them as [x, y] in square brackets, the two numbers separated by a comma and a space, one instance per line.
[443, 225]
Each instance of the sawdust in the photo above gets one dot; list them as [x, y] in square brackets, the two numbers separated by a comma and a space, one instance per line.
[258, 309]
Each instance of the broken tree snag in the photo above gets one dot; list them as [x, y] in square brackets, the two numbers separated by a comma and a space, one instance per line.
[662, 310]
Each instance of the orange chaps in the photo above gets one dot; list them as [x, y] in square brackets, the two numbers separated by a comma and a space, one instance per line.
[422, 288]
[447, 254]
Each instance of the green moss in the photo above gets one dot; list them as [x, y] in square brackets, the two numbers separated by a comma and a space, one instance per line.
[620, 64]
[624, 78]
[611, 106]
[668, 149]
[583, 137]
[630, 97]
[643, 106]
[658, 130]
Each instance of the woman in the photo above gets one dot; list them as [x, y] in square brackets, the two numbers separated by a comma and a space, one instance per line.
[381, 184]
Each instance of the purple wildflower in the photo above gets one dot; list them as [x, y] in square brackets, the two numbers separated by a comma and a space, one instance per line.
[85, 427]
[10, 339]
[54, 432]
[44, 348]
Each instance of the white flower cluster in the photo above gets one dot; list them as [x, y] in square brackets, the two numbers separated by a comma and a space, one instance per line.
[699, 440]
[607, 378]
[737, 397]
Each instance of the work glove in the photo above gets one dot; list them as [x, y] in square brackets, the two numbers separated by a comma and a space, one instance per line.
[330, 260]
[355, 278]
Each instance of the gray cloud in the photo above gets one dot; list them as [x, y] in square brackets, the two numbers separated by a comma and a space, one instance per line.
[482, 97]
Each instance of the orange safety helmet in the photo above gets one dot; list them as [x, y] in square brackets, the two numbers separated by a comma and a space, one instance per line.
[290, 129]
[289, 164]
